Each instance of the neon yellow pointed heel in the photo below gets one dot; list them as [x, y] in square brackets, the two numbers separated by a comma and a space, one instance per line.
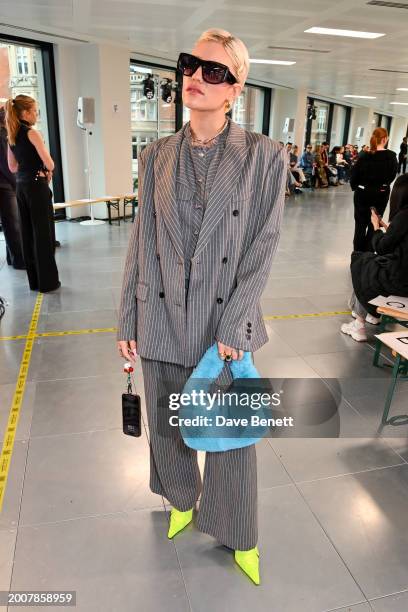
[248, 561]
[179, 520]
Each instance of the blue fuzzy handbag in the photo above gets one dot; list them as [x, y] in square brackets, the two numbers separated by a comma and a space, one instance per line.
[209, 436]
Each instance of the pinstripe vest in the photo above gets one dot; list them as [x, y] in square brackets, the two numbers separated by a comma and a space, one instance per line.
[233, 254]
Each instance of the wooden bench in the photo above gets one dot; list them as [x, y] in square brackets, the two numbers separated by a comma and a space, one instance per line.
[398, 343]
[110, 201]
[389, 316]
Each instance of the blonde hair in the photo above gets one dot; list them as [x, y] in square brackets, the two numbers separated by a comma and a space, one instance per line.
[235, 48]
[14, 108]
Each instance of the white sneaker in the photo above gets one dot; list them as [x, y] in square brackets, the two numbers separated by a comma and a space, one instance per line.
[372, 320]
[356, 330]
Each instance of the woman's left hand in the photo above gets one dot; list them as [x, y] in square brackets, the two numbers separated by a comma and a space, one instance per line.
[224, 350]
[375, 220]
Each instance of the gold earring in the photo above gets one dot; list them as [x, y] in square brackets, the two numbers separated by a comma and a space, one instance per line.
[227, 105]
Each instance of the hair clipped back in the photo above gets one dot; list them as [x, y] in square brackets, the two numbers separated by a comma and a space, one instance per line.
[235, 48]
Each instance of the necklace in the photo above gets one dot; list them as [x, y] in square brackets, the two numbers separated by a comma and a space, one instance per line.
[204, 142]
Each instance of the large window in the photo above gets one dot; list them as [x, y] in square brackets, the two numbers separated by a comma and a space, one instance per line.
[153, 113]
[27, 68]
[21, 72]
[247, 111]
[327, 122]
[157, 109]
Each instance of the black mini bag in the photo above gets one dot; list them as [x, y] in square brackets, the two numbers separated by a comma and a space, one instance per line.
[131, 410]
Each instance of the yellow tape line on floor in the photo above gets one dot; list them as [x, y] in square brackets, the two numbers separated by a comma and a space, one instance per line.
[10, 434]
[78, 332]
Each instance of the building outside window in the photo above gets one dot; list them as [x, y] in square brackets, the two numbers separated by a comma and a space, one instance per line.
[21, 73]
[247, 110]
[152, 116]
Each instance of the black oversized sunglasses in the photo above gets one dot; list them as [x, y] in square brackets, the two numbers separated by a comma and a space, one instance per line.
[213, 72]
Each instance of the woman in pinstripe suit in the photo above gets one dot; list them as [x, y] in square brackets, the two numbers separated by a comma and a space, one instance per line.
[210, 207]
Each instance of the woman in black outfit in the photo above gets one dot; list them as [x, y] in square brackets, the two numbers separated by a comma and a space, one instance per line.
[29, 158]
[402, 157]
[384, 272]
[370, 180]
[8, 204]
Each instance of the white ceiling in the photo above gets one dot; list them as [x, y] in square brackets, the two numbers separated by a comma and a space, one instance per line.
[162, 28]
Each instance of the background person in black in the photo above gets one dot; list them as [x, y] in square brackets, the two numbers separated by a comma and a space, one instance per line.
[8, 204]
[402, 156]
[384, 272]
[29, 158]
[370, 180]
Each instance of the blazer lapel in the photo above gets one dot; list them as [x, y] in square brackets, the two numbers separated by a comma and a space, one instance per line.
[228, 173]
[165, 170]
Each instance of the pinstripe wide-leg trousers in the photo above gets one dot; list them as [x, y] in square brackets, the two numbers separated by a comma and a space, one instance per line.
[228, 504]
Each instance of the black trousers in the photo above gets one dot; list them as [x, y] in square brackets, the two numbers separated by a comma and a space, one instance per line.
[38, 234]
[402, 163]
[11, 225]
[364, 199]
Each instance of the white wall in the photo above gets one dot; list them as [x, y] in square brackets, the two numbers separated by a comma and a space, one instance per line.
[100, 72]
[284, 104]
[361, 117]
[398, 131]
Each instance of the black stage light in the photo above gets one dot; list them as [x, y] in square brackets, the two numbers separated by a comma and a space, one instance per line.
[166, 90]
[148, 87]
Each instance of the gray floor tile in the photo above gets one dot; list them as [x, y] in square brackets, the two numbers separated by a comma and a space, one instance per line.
[275, 348]
[88, 319]
[283, 306]
[26, 409]
[11, 353]
[75, 298]
[309, 459]
[79, 405]
[9, 514]
[365, 517]
[271, 473]
[290, 582]
[77, 356]
[84, 474]
[317, 335]
[355, 364]
[393, 603]
[284, 367]
[115, 563]
[7, 545]
[363, 607]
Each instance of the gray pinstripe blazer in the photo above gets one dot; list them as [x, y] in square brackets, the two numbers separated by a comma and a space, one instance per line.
[238, 238]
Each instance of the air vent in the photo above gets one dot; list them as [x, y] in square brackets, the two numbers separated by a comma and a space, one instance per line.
[299, 49]
[22, 29]
[397, 5]
[385, 70]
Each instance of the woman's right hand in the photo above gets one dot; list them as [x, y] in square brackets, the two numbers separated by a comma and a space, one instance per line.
[127, 349]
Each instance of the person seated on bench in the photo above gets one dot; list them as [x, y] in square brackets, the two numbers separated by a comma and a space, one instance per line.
[384, 272]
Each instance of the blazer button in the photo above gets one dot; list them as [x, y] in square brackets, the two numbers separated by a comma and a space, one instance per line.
[248, 336]
[154, 213]
[249, 330]
[158, 256]
[161, 294]
[224, 259]
[249, 324]
[219, 300]
[235, 212]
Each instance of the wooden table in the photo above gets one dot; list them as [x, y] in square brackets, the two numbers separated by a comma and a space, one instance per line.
[110, 201]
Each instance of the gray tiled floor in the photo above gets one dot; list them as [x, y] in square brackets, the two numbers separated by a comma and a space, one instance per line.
[78, 513]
